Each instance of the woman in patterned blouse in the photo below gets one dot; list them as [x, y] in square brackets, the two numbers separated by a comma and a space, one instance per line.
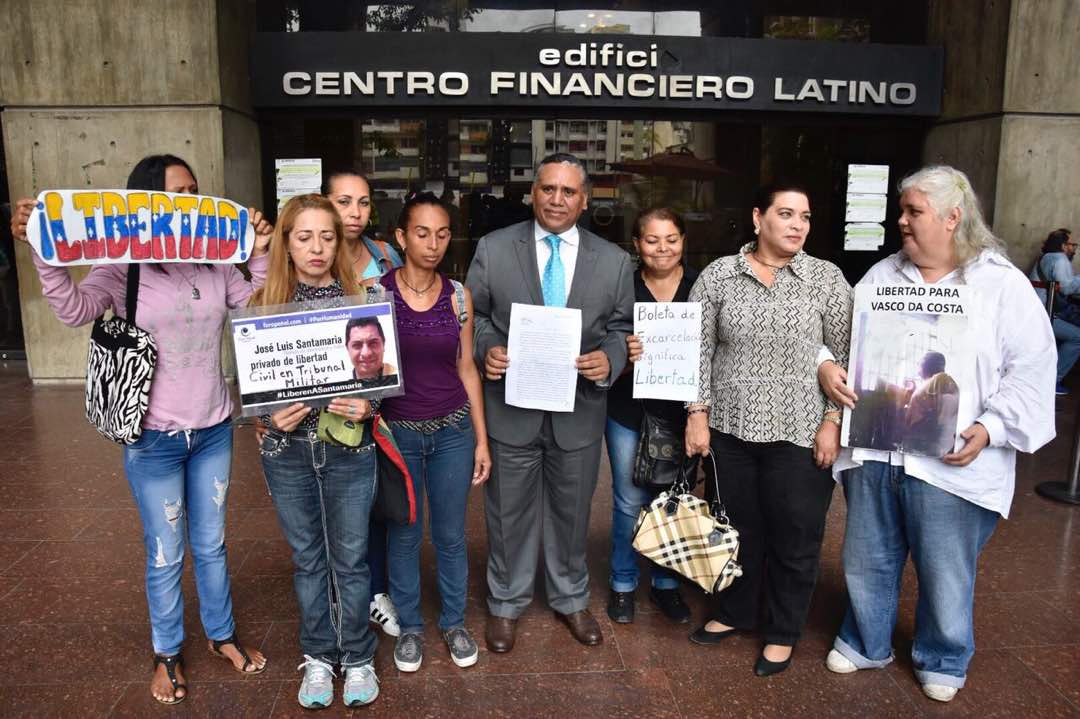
[766, 312]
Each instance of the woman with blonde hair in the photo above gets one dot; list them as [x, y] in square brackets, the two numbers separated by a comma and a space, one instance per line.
[942, 510]
[322, 492]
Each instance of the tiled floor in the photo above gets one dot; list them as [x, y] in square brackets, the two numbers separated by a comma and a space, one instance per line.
[74, 638]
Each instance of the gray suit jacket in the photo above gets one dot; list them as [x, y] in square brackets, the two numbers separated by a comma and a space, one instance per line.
[504, 271]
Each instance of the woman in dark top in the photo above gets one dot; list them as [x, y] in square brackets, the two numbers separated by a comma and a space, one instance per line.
[659, 235]
[439, 426]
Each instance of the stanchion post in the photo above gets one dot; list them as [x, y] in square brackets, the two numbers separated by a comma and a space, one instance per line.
[1069, 490]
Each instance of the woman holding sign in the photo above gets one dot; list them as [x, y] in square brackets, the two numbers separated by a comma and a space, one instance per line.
[659, 235]
[439, 425]
[179, 467]
[322, 491]
[766, 312]
[942, 510]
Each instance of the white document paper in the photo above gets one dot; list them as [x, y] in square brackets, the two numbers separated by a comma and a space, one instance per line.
[297, 177]
[670, 333]
[873, 179]
[863, 236]
[865, 208]
[542, 345]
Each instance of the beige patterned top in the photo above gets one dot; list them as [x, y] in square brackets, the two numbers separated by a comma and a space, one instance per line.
[760, 345]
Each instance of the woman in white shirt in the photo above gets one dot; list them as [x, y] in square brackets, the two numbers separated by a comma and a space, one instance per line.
[943, 510]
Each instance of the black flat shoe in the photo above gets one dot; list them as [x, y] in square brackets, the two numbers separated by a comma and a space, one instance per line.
[620, 607]
[704, 636]
[670, 602]
[764, 668]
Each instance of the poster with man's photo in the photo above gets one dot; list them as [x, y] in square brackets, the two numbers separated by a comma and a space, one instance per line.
[911, 361]
[310, 352]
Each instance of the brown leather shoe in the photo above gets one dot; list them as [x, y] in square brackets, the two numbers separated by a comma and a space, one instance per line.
[584, 627]
[499, 634]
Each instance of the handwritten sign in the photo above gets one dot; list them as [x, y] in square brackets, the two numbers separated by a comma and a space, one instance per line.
[93, 227]
[671, 335]
[311, 352]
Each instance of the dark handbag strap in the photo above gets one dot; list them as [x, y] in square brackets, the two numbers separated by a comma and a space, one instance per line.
[132, 300]
[682, 486]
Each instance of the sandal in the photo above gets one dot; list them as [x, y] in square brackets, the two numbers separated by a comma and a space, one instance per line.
[170, 668]
[215, 649]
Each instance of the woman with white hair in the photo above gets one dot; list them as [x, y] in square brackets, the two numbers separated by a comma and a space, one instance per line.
[943, 510]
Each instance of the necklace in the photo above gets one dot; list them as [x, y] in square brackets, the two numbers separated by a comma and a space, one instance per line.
[193, 282]
[775, 268]
[421, 293]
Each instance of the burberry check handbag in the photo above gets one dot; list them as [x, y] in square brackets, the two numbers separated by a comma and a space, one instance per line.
[683, 533]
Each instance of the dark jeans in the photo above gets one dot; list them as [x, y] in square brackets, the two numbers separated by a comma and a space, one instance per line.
[777, 498]
[376, 557]
[323, 496]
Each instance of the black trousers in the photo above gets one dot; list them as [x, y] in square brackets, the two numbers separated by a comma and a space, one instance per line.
[777, 498]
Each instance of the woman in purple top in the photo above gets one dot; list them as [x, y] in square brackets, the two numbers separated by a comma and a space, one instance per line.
[178, 469]
[438, 424]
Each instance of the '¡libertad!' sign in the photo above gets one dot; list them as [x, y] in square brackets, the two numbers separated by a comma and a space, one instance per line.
[81, 227]
[524, 69]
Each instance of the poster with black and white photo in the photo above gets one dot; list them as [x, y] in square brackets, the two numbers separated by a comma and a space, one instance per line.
[911, 361]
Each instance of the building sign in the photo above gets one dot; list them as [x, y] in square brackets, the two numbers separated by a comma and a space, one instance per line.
[315, 69]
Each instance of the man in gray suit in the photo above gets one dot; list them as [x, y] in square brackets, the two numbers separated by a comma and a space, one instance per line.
[545, 463]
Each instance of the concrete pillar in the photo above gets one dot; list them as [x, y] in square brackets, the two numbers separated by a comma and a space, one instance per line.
[89, 88]
[1011, 112]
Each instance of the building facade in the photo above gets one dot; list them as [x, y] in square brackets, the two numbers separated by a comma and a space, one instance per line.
[233, 85]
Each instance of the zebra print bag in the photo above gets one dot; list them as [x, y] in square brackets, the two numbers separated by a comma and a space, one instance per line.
[119, 369]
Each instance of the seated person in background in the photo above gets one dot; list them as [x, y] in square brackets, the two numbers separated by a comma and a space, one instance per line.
[366, 343]
[1055, 265]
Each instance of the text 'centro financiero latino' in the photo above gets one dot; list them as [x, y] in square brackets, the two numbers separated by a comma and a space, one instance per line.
[615, 78]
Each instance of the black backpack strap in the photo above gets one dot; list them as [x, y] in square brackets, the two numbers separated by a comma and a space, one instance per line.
[132, 292]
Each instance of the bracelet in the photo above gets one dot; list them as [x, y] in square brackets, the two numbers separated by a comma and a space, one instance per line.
[697, 410]
[835, 420]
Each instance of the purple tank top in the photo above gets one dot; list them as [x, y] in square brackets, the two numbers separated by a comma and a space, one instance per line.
[428, 345]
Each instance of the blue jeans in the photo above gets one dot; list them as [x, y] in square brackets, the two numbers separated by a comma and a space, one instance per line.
[626, 502]
[376, 557]
[441, 465]
[1068, 336]
[890, 514]
[323, 496]
[180, 481]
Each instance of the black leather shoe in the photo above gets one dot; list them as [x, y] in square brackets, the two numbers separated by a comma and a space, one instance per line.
[704, 636]
[764, 668]
[620, 607]
[671, 604]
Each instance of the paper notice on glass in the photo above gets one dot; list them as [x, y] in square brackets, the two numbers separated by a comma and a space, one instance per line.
[865, 208]
[872, 179]
[670, 333]
[297, 177]
[542, 345]
[863, 236]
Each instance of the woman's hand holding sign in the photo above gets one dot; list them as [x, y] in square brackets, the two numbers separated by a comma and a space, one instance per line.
[289, 418]
[350, 408]
[263, 232]
[20, 216]
[634, 348]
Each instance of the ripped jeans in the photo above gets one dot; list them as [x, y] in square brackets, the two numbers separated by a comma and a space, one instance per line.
[180, 481]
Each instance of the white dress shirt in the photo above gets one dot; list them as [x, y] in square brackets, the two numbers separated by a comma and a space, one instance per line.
[567, 252]
[1013, 392]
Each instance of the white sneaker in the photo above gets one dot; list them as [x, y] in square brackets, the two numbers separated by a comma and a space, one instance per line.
[317, 689]
[939, 692]
[382, 612]
[361, 686]
[838, 663]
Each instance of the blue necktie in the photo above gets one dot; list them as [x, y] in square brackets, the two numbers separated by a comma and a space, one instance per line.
[554, 280]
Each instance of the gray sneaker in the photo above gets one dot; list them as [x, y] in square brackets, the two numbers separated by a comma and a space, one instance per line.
[462, 648]
[361, 685]
[409, 652]
[317, 688]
